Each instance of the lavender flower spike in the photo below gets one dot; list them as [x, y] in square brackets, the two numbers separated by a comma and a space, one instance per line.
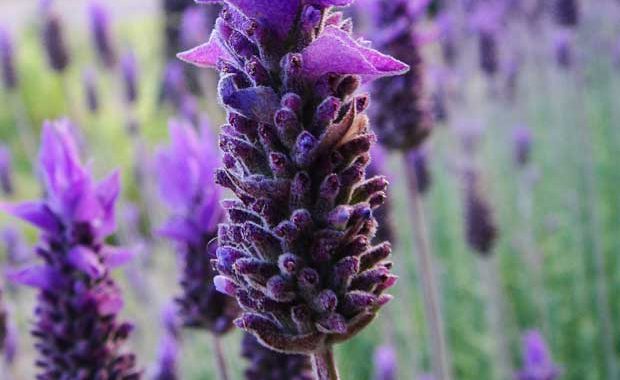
[54, 41]
[185, 177]
[386, 363]
[101, 33]
[480, 228]
[90, 91]
[537, 362]
[6, 173]
[296, 251]
[265, 364]
[129, 69]
[401, 115]
[7, 60]
[77, 329]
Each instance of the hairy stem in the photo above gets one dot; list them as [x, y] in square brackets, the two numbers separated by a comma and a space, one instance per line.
[430, 289]
[325, 365]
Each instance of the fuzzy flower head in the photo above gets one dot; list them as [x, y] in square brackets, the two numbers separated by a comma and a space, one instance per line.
[296, 251]
[186, 183]
[76, 315]
[537, 361]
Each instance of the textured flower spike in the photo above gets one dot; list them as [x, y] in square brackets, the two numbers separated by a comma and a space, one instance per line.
[7, 60]
[522, 139]
[91, 95]
[480, 229]
[186, 181]
[101, 33]
[296, 251]
[537, 362]
[76, 326]
[6, 171]
[54, 41]
[400, 114]
[265, 364]
[129, 70]
[566, 12]
[386, 366]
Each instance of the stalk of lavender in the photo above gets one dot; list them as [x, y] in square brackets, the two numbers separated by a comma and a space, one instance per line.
[296, 253]
[481, 235]
[265, 364]
[6, 171]
[402, 120]
[77, 329]
[185, 179]
[537, 361]
[101, 34]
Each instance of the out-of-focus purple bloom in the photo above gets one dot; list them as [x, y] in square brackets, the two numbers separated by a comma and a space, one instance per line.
[174, 88]
[4, 321]
[265, 364]
[447, 38]
[54, 41]
[76, 314]
[566, 12]
[186, 171]
[537, 361]
[11, 342]
[101, 33]
[169, 351]
[91, 94]
[480, 228]
[417, 161]
[522, 139]
[6, 171]
[7, 60]
[296, 251]
[386, 363]
[400, 114]
[487, 24]
[563, 49]
[377, 167]
[129, 70]
[14, 246]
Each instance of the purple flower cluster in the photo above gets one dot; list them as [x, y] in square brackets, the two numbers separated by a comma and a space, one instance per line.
[400, 115]
[76, 324]
[296, 251]
[185, 176]
[265, 364]
[537, 362]
[480, 229]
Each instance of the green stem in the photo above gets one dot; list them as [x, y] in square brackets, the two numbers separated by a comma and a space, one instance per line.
[325, 365]
[220, 361]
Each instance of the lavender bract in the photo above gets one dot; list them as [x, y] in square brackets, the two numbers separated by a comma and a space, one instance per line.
[76, 327]
[7, 60]
[296, 252]
[185, 177]
[265, 364]
[537, 361]
[400, 115]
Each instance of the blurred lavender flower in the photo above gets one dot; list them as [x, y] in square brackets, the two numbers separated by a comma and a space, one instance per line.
[488, 52]
[563, 48]
[566, 12]
[76, 325]
[265, 364]
[537, 362]
[447, 38]
[54, 42]
[7, 60]
[400, 114]
[296, 251]
[11, 342]
[417, 161]
[129, 70]
[169, 351]
[185, 179]
[195, 26]
[522, 138]
[6, 171]
[386, 363]
[173, 12]
[90, 91]
[101, 33]
[480, 229]
[14, 246]
[4, 321]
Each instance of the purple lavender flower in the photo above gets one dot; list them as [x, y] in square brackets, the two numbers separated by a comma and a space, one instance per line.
[76, 324]
[7, 60]
[566, 12]
[480, 229]
[400, 115]
[417, 161]
[90, 91]
[54, 42]
[6, 171]
[185, 178]
[14, 246]
[129, 69]
[386, 366]
[522, 138]
[537, 362]
[265, 364]
[296, 250]
[563, 49]
[101, 33]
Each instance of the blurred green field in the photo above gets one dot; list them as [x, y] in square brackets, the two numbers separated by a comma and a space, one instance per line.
[571, 209]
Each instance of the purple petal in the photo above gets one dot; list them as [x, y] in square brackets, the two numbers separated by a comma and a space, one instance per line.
[86, 261]
[39, 276]
[224, 285]
[336, 52]
[118, 256]
[109, 303]
[107, 192]
[35, 213]
[205, 55]
[258, 103]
